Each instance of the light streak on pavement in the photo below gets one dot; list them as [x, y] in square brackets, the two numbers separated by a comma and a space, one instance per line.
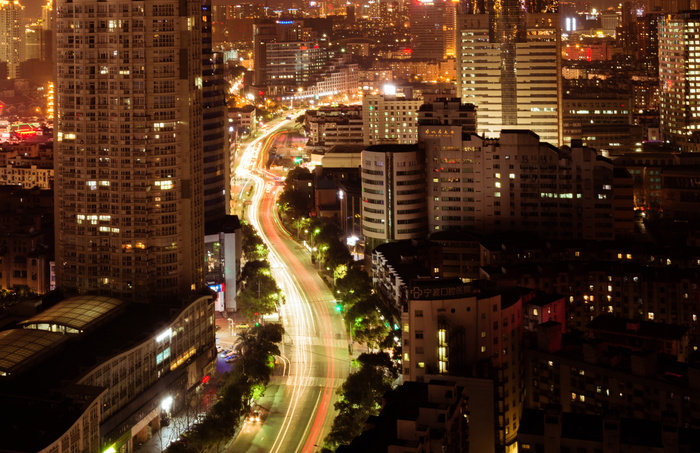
[315, 361]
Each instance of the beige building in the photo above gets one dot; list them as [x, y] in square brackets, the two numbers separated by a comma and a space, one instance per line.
[512, 77]
[449, 327]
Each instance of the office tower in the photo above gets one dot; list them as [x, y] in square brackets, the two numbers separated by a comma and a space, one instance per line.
[678, 78]
[441, 126]
[609, 22]
[509, 66]
[129, 189]
[285, 53]
[393, 188]
[217, 179]
[432, 29]
[12, 36]
[390, 119]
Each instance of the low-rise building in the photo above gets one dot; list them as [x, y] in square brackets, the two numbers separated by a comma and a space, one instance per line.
[95, 374]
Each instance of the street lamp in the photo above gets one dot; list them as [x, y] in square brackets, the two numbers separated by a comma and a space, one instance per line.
[230, 326]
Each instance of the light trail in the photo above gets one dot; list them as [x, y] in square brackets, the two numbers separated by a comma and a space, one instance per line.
[307, 319]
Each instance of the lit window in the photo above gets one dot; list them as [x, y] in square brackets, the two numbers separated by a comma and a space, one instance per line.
[166, 184]
[650, 315]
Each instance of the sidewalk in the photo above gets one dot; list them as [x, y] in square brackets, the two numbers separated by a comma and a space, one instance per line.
[226, 330]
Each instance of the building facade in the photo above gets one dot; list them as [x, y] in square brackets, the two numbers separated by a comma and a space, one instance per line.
[678, 54]
[453, 328]
[12, 36]
[129, 191]
[393, 188]
[517, 181]
[215, 147]
[329, 126]
[390, 119]
[432, 29]
[505, 67]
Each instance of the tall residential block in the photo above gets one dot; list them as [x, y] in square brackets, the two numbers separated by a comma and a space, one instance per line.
[129, 179]
[509, 66]
[390, 119]
[12, 36]
[678, 77]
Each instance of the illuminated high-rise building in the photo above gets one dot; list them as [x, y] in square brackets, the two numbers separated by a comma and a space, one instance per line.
[129, 159]
[12, 35]
[679, 57]
[509, 66]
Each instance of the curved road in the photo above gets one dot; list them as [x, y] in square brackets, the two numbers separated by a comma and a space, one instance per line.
[297, 408]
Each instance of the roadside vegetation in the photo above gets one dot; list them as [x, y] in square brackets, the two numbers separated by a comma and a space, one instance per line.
[255, 349]
[237, 392]
[259, 295]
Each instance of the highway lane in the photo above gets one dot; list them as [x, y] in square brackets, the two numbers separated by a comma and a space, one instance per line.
[298, 404]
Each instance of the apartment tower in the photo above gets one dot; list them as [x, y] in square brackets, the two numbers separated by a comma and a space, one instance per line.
[678, 78]
[12, 36]
[509, 66]
[129, 177]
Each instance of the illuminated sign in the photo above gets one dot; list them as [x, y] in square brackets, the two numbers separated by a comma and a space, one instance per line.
[440, 132]
[219, 288]
[454, 290]
[285, 22]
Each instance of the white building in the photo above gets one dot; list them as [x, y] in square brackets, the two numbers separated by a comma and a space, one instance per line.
[393, 187]
[390, 119]
[513, 78]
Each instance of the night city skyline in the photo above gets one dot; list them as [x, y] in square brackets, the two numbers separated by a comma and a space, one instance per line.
[321, 226]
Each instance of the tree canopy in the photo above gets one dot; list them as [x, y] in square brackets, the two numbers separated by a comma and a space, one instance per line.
[360, 396]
